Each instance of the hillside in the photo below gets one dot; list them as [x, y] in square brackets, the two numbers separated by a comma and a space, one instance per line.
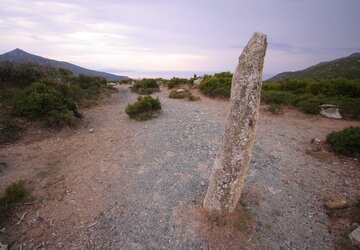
[348, 67]
[18, 55]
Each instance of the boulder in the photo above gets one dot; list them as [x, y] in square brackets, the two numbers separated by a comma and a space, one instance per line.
[198, 81]
[180, 90]
[330, 111]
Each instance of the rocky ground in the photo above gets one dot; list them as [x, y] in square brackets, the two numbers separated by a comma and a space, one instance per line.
[115, 183]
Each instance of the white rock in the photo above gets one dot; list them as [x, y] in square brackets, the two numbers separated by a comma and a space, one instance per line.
[180, 90]
[91, 130]
[330, 111]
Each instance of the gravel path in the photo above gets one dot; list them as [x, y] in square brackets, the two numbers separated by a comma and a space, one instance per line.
[145, 179]
[174, 156]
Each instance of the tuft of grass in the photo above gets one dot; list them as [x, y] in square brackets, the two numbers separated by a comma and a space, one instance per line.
[175, 94]
[14, 193]
[9, 130]
[346, 142]
[144, 108]
[275, 108]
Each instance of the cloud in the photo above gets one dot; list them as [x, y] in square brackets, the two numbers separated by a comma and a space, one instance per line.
[183, 35]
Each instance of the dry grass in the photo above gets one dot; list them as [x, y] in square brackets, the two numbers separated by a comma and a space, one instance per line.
[225, 231]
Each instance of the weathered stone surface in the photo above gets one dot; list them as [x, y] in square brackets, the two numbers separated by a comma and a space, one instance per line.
[336, 204]
[355, 236]
[232, 161]
[330, 111]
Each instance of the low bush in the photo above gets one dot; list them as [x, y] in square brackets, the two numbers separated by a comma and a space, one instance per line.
[218, 85]
[44, 103]
[144, 108]
[14, 193]
[277, 97]
[346, 142]
[175, 81]
[145, 86]
[175, 94]
[9, 129]
[275, 108]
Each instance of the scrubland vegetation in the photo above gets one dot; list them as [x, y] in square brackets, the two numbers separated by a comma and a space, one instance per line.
[145, 86]
[307, 95]
[218, 85]
[346, 142]
[144, 108]
[44, 94]
[175, 94]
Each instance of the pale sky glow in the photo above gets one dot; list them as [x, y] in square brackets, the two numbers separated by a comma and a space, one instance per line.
[188, 36]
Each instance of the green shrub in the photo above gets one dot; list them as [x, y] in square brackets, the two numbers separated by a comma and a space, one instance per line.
[346, 142]
[44, 103]
[9, 130]
[274, 108]
[217, 85]
[181, 95]
[14, 193]
[175, 81]
[310, 105]
[144, 108]
[145, 86]
[277, 97]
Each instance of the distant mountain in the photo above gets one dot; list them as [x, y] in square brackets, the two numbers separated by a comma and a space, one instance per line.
[20, 56]
[348, 67]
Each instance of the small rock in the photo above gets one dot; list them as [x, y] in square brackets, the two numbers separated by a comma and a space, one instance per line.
[202, 183]
[355, 236]
[180, 90]
[336, 204]
[91, 130]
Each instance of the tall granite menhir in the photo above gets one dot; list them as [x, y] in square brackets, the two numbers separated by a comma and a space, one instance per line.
[233, 159]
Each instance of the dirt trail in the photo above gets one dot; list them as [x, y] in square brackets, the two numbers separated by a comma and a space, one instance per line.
[131, 185]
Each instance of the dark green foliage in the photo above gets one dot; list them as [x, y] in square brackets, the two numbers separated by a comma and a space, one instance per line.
[217, 85]
[181, 95]
[346, 142]
[175, 81]
[277, 97]
[144, 108]
[14, 193]
[145, 86]
[45, 94]
[43, 102]
[9, 130]
[23, 74]
[348, 67]
[307, 95]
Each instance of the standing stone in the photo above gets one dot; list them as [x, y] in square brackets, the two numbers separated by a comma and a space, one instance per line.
[233, 159]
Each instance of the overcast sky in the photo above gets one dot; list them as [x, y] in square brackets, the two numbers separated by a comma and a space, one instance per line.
[194, 36]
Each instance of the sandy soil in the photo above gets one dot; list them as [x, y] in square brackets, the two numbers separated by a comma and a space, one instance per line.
[139, 185]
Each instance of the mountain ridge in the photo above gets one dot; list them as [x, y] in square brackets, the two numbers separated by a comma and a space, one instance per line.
[21, 56]
[348, 67]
